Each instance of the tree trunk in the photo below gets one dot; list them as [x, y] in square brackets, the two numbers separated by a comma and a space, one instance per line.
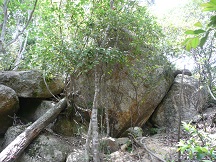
[180, 111]
[15, 148]
[94, 119]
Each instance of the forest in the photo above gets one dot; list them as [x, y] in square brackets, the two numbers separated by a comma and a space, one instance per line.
[118, 61]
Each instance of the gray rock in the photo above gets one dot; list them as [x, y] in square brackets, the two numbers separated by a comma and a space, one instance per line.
[1, 143]
[9, 104]
[30, 84]
[122, 140]
[130, 99]
[135, 131]
[109, 145]
[45, 148]
[78, 156]
[12, 133]
[166, 115]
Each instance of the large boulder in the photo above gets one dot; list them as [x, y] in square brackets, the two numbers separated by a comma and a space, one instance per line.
[130, 96]
[194, 98]
[9, 104]
[45, 148]
[30, 84]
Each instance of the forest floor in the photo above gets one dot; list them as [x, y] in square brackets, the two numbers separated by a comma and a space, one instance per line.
[161, 146]
[154, 148]
[164, 145]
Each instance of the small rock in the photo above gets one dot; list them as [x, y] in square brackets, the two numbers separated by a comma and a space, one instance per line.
[135, 131]
[78, 155]
[109, 145]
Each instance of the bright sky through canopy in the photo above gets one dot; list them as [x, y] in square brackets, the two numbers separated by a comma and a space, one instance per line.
[168, 4]
[162, 7]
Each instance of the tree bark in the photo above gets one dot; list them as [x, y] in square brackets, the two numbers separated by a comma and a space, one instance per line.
[16, 147]
[94, 118]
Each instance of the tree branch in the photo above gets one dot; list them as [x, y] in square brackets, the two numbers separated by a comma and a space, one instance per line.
[4, 24]
[24, 28]
[212, 95]
[142, 141]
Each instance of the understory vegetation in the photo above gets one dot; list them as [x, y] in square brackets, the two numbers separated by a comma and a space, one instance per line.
[71, 38]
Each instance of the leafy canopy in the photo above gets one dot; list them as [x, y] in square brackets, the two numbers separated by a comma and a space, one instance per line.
[201, 34]
[69, 34]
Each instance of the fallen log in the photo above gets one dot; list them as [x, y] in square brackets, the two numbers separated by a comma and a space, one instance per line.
[17, 146]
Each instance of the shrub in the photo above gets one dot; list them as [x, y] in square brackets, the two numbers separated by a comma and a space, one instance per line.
[199, 146]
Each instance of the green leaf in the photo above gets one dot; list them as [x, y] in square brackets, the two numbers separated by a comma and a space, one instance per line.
[189, 32]
[181, 143]
[188, 46]
[184, 148]
[195, 32]
[213, 2]
[195, 42]
[186, 126]
[204, 39]
[199, 31]
[198, 24]
[209, 6]
[184, 43]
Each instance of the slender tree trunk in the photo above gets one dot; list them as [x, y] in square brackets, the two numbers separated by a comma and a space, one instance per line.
[94, 115]
[180, 111]
[15, 148]
[94, 119]
[87, 147]
[107, 122]
[22, 49]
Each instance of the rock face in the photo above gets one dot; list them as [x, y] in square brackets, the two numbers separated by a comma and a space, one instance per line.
[130, 99]
[45, 148]
[194, 98]
[9, 104]
[30, 84]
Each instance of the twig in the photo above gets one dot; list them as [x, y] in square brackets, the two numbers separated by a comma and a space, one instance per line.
[21, 32]
[49, 89]
[142, 141]
[212, 95]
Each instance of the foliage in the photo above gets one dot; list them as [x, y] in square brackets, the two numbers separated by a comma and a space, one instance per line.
[174, 23]
[198, 146]
[202, 33]
[15, 17]
[70, 34]
[200, 43]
